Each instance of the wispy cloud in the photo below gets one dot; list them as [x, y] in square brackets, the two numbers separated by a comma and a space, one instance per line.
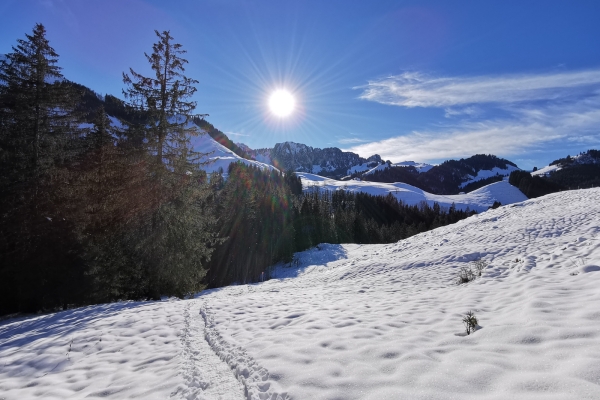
[413, 89]
[235, 134]
[471, 111]
[351, 140]
[529, 128]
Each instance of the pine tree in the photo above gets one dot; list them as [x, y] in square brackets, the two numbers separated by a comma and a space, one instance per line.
[164, 98]
[38, 130]
[173, 239]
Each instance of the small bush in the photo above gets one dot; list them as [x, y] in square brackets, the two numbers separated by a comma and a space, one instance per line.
[470, 322]
[479, 265]
[465, 275]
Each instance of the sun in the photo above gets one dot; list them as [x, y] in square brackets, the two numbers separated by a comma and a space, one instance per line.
[282, 103]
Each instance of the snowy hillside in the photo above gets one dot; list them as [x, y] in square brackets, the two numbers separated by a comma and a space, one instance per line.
[546, 170]
[351, 322]
[478, 200]
[488, 173]
[219, 156]
[420, 167]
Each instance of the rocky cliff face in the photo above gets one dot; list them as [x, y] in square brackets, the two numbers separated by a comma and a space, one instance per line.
[331, 161]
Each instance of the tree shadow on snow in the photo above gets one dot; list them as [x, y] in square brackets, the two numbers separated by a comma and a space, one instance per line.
[22, 331]
[320, 255]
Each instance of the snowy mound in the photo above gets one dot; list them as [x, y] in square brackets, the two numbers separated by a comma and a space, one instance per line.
[351, 322]
[219, 156]
[478, 200]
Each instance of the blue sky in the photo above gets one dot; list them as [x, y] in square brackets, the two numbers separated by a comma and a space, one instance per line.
[409, 80]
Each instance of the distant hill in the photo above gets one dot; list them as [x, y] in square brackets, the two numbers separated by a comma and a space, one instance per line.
[577, 172]
[450, 177]
[478, 200]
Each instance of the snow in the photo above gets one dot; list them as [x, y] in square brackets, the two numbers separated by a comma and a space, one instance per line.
[384, 321]
[220, 157]
[351, 322]
[420, 167]
[265, 159]
[358, 168]
[132, 349]
[546, 170]
[380, 167]
[487, 173]
[478, 200]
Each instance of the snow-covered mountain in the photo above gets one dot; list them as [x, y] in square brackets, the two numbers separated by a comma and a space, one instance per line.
[351, 322]
[478, 200]
[450, 177]
[331, 162]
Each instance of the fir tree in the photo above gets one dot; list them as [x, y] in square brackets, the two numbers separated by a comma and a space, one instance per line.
[164, 98]
[38, 136]
[173, 239]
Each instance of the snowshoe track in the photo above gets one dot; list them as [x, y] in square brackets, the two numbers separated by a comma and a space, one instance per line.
[206, 376]
[252, 376]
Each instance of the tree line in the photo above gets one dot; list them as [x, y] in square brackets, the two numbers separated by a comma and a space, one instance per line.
[265, 217]
[103, 199]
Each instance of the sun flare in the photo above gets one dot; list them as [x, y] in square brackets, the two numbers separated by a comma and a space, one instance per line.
[282, 103]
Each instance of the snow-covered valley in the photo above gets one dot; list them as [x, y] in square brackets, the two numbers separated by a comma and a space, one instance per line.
[351, 322]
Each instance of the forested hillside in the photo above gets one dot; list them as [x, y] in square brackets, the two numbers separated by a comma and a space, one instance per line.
[578, 172]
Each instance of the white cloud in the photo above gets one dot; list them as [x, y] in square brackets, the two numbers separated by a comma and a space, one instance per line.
[351, 140]
[235, 134]
[469, 111]
[528, 129]
[420, 90]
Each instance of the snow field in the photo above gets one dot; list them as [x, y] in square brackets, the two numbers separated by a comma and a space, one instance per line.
[150, 350]
[114, 351]
[384, 321]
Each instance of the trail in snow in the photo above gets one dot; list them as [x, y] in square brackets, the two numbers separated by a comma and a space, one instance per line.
[206, 376]
[149, 350]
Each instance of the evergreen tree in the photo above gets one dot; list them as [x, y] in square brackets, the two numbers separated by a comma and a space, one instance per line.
[38, 136]
[173, 240]
[164, 98]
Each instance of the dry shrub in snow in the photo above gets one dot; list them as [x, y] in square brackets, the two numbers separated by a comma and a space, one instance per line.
[465, 275]
[479, 265]
[470, 322]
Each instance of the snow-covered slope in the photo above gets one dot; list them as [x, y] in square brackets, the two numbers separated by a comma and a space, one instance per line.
[219, 156]
[478, 200]
[351, 322]
[488, 173]
[420, 167]
[384, 321]
[546, 170]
